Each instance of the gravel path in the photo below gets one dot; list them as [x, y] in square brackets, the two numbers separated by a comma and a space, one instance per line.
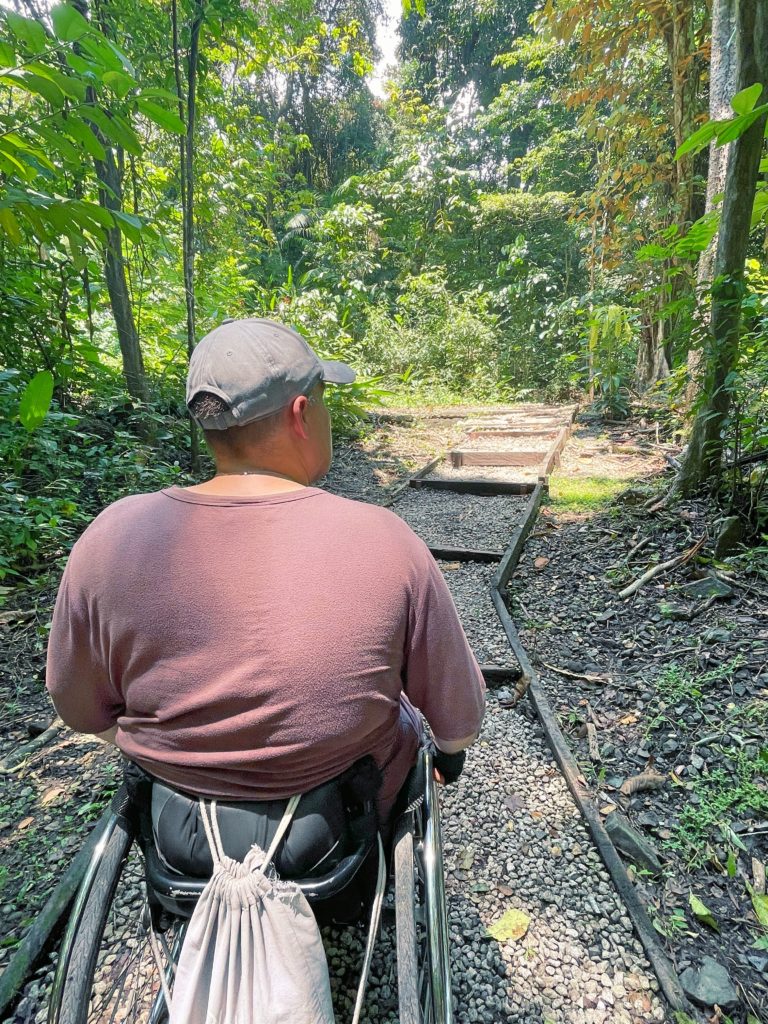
[470, 583]
[445, 519]
[503, 474]
[513, 838]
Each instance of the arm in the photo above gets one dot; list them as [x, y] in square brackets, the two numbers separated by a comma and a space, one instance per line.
[441, 676]
[77, 674]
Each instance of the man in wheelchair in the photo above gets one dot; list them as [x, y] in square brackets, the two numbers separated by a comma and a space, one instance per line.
[254, 637]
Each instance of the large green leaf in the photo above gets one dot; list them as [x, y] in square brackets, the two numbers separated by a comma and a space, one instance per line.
[114, 129]
[29, 32]
[744, 102]
[734, 129]
[131, 225]
[68, 23]
[7, 55]
[22, 79]
[83, 134]
[699, 140]
[10, 226]
[119, 82]
[69, 85]
[164, 118]
[36, 400]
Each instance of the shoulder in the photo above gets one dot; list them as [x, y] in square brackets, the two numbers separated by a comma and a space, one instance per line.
[379, 520]
[119, 516]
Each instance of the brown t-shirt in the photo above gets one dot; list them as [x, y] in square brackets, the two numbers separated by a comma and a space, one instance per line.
[255, 647]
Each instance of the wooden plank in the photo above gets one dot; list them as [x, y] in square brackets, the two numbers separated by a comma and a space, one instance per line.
[468, 457]
[482, 487]
[553, 455]
[465, 554]
[481, 433]
[497, 675]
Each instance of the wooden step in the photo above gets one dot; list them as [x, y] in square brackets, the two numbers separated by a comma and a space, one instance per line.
[468, 457]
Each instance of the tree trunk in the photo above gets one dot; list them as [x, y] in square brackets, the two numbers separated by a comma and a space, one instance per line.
[110, 197]
[722, 89]
[187, 175]
[704, 455]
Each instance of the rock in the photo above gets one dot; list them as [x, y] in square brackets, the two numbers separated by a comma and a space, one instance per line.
[709, 586]
[709, 985]
[632, 843]
[729, 535]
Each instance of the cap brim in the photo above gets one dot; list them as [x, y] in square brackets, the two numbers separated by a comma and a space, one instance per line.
[337, 373]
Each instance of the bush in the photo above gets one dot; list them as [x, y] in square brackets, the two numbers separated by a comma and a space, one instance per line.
[436, 340]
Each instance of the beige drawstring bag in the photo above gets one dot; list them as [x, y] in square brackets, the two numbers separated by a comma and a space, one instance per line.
[252, 953]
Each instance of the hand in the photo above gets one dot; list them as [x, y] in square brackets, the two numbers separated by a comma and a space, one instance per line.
[439, 779]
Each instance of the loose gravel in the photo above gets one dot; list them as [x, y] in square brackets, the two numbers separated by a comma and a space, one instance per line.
[470, 587]
[446, 519]
[513, 838]
[502, 474]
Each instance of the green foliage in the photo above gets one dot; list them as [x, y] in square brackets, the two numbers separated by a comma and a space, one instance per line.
[436, 340]
[610, 350]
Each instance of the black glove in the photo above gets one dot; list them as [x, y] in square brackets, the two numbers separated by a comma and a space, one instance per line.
[450, 766]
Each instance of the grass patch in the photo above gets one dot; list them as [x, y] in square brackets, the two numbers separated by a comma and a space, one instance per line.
[584, 493]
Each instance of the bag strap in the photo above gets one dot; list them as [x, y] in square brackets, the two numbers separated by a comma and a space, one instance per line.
[213, 835]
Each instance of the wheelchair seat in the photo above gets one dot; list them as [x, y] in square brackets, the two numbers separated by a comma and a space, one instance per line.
[179, 893]
[331, 839]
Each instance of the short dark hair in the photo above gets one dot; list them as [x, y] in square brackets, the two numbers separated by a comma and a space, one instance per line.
[232, 439]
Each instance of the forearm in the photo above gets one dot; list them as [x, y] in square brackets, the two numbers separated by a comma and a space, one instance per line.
[454, 746]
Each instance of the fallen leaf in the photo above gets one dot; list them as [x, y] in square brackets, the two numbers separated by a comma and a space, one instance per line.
[759, 905]
[452, 565]
[25, 822]
[628, 719]
[642, 782]
[541, 562]
[466, 858]
[514, 802]
[510, 927]
[51, 795]
[702, 913]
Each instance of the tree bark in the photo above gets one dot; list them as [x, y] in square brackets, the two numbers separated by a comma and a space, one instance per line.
[187, 176]
[703, 458]
[722, 89]
[110, 197]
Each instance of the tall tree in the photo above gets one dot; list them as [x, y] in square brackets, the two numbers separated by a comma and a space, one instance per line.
[722, 88]
[703, 459]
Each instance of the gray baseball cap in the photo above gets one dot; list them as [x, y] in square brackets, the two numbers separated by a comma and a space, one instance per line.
[257, 367]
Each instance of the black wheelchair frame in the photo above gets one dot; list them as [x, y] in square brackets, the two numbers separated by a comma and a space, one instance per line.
[104, 975]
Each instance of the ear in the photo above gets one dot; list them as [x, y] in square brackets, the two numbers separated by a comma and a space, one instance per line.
[298, 416]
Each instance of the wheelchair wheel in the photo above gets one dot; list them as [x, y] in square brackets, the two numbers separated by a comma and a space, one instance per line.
[108, 970]
[423, 962]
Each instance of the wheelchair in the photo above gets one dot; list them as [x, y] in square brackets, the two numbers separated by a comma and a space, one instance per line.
[117, 959]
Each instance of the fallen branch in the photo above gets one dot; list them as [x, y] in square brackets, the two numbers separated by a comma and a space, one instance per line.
[18, 757]
[590, 677]
[656, 570]
[594, 746]
[633, 551]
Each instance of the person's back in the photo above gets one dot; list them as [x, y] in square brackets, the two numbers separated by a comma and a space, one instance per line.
[257, 646]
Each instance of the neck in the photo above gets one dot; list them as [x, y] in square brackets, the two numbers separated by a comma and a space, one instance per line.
[232, 479]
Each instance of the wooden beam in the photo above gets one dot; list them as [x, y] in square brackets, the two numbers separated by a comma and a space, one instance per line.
[469, 457]
[476, 486]
[465, 554]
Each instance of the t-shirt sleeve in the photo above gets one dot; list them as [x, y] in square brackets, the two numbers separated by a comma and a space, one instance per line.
[77, 674]
[442, 678]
